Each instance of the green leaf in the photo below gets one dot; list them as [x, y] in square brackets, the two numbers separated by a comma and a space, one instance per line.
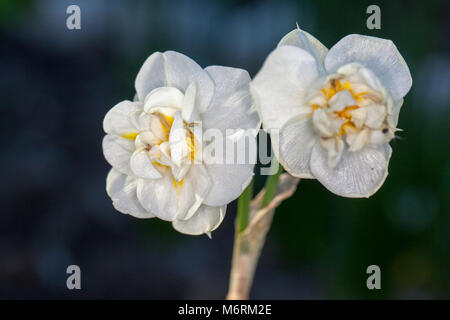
[244, 207]
[271, 186]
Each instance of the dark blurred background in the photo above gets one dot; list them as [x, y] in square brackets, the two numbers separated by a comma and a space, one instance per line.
[57, 84]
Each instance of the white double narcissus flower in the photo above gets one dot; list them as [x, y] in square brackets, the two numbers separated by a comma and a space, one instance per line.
[336, 110]
[155, 147]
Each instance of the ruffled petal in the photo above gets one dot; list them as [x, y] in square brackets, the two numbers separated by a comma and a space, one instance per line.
[117, 119]
[393, 119]
[173, 69]
[189, 110]
[379, 55]
[205, 220]
[141, 165]
[152, 75]
[163, 97]
[122, 190]
[230, 171]
[297, 139]
[232, 104]
[170, 200]
[179, 149]
[281, 86]
[117, 151]
[358, 174]
[305, 41]
[228, 182]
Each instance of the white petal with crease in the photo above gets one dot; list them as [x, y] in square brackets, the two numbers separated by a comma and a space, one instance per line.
[170, 201]
[122, 190]
[163, 97]
[281, 86]
[189, 109]
[117, 120]
[297, 138]
[379, 55]
[231, 107]
[306, 42]
[117, 152]
[151, 75]
[358, 174]
[205, 219]
[228, 182]
[141, 165]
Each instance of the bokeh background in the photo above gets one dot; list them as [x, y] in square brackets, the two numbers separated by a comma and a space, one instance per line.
[56, 86]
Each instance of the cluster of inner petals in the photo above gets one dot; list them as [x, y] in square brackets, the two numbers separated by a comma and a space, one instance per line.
[166, 140]
[351, 109]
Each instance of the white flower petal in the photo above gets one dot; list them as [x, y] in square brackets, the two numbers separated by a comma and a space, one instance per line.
[375, 115]
[379, 55]
[180, 69]
[140, 120]
[228, 182]
[205, 219]
[179, 149]
[305, 41]
[122, 190]
[196, 185]
[393, 120]
[141, 165]
[205, 89]
[357, 140]
[324, 125]
[160, 127]
[340, 100]
[232, 170]
[159, 196]
[173, 69]
[359, 116]
[296, 140]
[163, 97]
[358, 174]
[147, 138]
[161, 154]
[378, 137]
[231, 107]
[117, 152]
[151, 75]
[334, 147]
[281, 85]
[117, 119]
[169, 200]
[189, 109]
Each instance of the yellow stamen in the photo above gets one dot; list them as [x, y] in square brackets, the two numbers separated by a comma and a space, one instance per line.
[178, 184]
[346, 127]
[130, 136]
[166, 120]
[329, 92]
[347, 85]
[346, 112]
[358, 96]
[156, 163]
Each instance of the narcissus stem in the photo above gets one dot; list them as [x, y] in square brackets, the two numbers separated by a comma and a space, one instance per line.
[252, 224]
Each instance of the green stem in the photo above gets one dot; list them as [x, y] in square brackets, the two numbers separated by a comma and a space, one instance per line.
[243, 210]
[271, 186]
